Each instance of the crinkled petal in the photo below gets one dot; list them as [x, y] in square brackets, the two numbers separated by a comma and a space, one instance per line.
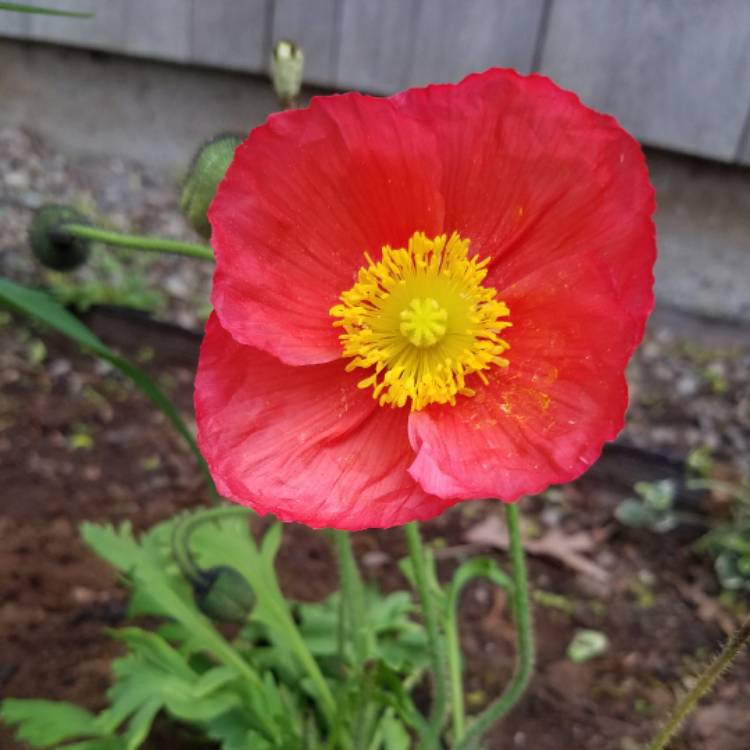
[558, 197]
[303, 443]
[306, 195]
[544, 419]
[532, 176]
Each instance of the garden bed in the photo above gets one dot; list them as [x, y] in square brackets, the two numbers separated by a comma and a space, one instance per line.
[79, 443]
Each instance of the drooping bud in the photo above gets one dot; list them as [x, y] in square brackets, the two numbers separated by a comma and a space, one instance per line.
[287, 66]
[206, 171]
[224, 594]
[51, 244]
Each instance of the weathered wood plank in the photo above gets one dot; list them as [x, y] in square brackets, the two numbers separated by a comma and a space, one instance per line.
[377, 44]
[314, 26]
[231, 33]
[457, 38]
[105, 31]
[675, 72]
[14, 24]
[158, 28]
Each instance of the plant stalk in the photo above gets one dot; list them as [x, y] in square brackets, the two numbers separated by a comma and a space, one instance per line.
[706, 681]
[139, 241]
[524, 639]
[431, 738]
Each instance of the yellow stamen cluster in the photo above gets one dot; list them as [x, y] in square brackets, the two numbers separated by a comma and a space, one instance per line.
[421, 320]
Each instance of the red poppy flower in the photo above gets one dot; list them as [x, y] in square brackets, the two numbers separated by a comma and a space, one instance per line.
[421, 300]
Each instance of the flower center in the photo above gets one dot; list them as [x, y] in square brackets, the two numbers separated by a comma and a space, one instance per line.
[422, 322]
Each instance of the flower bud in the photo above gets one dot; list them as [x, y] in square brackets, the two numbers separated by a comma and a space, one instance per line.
[224, 594]
[206, 172]
[53, 247]
[287, 65]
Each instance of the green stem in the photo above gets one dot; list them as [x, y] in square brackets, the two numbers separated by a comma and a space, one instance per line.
[455, 673]
[707, 680]
[139, 242]
[524, 637]
[468, 571]
[353, 595]
[182, 530]
[431, 738]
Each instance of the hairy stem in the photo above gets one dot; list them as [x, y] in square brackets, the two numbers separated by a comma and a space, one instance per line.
[431, 738]
[139, 242]
[524, 637]
[706, 681]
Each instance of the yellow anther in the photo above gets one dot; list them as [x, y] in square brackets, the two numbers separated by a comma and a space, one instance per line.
[421, 322]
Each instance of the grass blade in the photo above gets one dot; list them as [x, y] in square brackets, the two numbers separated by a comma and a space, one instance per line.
[21, 8]
[42, 307]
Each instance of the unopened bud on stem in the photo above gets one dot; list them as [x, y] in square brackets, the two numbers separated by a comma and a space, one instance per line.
[287, 66]
[224, 594]
[207, 170]
[51, 244]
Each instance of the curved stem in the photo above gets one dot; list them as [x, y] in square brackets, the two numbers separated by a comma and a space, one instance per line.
[524, 637]
[182, 530]
[707, 680]
[139, 241]
[431, 738]
[181, 551]
[455, 674]
[476, 567]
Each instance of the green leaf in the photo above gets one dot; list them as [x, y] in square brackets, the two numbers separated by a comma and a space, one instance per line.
[270, 543]
[140, 725]
[394, 734]
[42, 307]
[633, 513]
[214, 679]
[153, 649]
[22, 8]
[115, 545]
[231, 730]
[100, 743]
[399, 641]
[47, 723]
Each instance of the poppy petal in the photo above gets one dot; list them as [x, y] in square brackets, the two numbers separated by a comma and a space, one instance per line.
[545, 418]
[303, 442]
[531, 176]
[306, 195]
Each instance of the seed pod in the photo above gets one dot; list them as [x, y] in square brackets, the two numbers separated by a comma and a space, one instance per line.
[224, 594]
[51, 244]
[206, 171]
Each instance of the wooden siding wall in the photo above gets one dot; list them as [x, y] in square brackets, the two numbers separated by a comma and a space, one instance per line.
[675, 72]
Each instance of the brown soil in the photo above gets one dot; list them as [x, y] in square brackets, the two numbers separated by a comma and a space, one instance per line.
[78, 443]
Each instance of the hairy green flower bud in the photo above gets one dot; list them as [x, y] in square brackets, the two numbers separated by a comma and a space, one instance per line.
[287, 66]
[224, 594]
[207, 170]
[53, 247]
